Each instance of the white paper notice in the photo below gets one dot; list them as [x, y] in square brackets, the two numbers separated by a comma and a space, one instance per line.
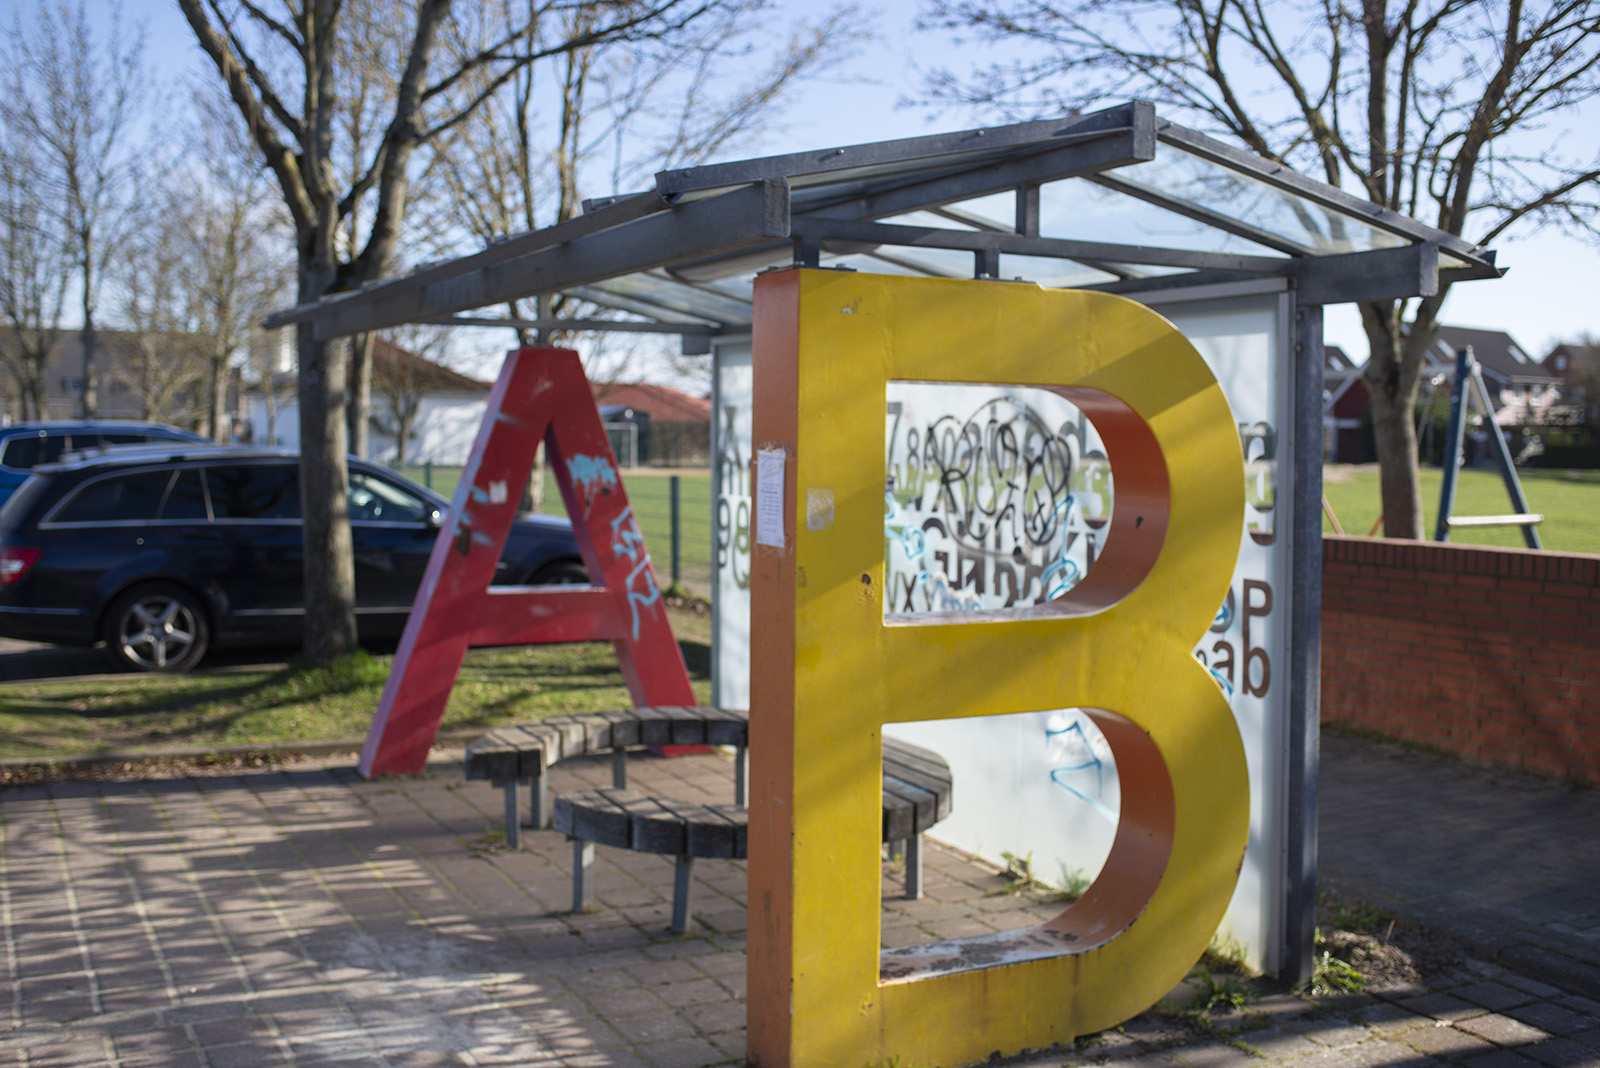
[769, 498]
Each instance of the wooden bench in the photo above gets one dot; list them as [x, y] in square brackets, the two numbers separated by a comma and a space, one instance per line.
[916, 792]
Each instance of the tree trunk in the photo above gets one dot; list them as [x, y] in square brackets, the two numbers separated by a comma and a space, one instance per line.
[1392, 396]
[90, 402]
[330, 595]
[360, 402]
[221, 425]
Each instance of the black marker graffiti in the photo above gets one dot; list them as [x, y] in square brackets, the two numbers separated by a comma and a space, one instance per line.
[1004, 507]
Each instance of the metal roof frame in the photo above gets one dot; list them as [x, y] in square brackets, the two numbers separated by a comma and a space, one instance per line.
[847, 207]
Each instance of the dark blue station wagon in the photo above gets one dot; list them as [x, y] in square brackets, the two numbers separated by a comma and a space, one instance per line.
[161, 553]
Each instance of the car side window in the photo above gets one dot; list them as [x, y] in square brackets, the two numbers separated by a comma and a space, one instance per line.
[254, 491]
[119, 499]
[23, 453]
[373, 500]
[187, 497]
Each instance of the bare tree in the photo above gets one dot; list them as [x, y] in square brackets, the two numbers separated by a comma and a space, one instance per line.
[613, 113]
[164, 363]
[237, 246]
[34, 270]
[265, 369]
[283, 74]
[617, 112]
[402, 377]
[1451, 110]
[1581, 389]
[79, 98]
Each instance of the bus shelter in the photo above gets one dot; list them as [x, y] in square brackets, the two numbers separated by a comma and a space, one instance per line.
[999, 495]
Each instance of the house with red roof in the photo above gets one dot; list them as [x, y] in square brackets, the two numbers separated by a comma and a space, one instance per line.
[422, 412]
[658, 425]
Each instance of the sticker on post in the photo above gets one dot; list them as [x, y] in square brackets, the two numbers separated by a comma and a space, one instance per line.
[819, 509]
[769, 497]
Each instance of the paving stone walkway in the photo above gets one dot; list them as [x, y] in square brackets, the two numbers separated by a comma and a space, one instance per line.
[307, 917]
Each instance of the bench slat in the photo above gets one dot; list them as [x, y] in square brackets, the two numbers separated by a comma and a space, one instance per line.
[647, 824]
[492, 757]
[907, 808]
[657, 828]
[624, 727]
[594, 817]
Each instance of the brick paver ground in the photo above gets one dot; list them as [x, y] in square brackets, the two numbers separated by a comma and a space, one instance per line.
[307, 917]
[1508, 862]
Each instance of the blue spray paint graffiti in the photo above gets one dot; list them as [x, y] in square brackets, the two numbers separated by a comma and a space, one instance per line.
[593, 475]
[1075, 756]
[627, 540]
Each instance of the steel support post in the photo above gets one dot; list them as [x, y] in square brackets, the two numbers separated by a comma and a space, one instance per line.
[513, 818]
[682, 887]
[582, 874]
[677, 540]
[539, 803]
[1454, 434]
[1304, 448]
[914, 867]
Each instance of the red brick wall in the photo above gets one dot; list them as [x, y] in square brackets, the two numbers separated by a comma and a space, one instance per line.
[1490, 654]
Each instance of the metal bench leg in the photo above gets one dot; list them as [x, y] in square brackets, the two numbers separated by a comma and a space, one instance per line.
[682, 887]
[513, 837]
[619, 768]
[539, 804]
[582, 870]
[914, 867]
[741, 771]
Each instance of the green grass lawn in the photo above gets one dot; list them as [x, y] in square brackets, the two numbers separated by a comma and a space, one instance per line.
[1569, 501]
[274, 704]
[649, 491]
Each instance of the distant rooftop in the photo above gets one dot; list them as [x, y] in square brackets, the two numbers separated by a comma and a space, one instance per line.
[664, 404]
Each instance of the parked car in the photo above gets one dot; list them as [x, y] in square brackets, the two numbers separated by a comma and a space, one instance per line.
[23, 446]
[162, 553]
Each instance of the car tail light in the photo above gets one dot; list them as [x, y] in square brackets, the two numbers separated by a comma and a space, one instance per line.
[15, 560]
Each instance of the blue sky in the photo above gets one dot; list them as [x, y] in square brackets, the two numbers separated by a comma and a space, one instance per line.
[1552, 292]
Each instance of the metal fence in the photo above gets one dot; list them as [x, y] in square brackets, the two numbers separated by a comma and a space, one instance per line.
[674, 512]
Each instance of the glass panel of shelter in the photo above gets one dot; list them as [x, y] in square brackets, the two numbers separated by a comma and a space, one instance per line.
[1238, 195]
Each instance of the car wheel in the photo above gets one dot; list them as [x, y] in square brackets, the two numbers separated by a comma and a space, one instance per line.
[562, 573]
[159, 627]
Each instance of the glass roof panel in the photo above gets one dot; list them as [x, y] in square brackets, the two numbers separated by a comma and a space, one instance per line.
[867, 263]
[1051, 273]
[939, 262]
[999, 209]
[672, 295]
[1243, 197]
[1074, 208]
[929, 218]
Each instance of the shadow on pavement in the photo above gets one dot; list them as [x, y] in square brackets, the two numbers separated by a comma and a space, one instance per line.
[26, 661]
